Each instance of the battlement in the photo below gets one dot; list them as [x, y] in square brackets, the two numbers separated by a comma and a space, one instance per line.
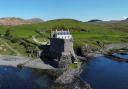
[61, 34]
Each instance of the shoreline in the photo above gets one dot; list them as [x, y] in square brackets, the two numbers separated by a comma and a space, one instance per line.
[15, 61]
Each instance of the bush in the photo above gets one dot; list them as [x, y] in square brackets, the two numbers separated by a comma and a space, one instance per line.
[74, 66]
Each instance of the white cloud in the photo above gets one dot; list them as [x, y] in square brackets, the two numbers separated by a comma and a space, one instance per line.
[124, 17]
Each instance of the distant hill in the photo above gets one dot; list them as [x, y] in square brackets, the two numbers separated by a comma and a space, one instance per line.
[35, 20]
[11, 18]
[12, 21]
[72, 24]
[95, 20]
[66, 23]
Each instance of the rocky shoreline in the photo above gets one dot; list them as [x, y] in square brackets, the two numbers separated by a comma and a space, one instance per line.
[76, 84]
[70, 79]
[19, 61]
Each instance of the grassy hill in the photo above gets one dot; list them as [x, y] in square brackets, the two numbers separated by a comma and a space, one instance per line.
[107, 32]
[83, 32]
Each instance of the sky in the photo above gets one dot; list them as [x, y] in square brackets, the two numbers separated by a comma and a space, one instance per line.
[83, 10]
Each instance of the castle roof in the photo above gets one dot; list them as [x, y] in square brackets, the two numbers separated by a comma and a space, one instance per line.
[62, 32]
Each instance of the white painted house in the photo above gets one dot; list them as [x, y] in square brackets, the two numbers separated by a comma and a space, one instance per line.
[61, 34]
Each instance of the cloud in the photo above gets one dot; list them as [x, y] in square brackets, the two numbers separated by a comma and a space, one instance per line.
[124, 17]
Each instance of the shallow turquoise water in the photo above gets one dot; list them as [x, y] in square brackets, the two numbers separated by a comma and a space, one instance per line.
[104, 73]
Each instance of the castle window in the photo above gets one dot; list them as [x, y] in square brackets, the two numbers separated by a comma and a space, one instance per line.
[64, 33]
[67, 33]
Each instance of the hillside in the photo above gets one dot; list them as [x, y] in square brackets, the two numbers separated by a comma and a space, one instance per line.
[118, 25]
[34, 20]
[13, 21]
[22, 37]
[107, 32]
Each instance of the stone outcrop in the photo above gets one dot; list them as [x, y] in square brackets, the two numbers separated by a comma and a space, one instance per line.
[76, 84]
[89, 50]
[110, 47]
[70, 80]
[65, 60]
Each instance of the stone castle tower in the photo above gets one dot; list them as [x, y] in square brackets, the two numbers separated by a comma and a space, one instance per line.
[61, 48]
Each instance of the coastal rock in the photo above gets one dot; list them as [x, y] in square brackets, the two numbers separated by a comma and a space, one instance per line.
[76, 84]
[67, 77]
[70, 80]
[110, 47]
[89, 50]
[65, 60]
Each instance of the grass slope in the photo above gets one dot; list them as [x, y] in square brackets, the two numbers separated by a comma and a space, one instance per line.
[107, 32]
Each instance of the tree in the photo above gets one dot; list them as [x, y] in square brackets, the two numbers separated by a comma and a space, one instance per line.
[8, 33]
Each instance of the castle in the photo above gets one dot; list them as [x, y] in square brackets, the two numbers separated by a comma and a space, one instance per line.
[60, 48]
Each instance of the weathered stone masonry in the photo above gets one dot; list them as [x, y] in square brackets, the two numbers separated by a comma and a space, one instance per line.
[60, 50]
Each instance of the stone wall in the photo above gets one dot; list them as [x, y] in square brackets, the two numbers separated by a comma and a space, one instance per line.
[56, 45]
[68, 46]
[59, 46]
[61, 51]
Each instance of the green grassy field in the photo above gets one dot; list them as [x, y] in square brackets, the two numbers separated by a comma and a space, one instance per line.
[4, 49]
[83, 32]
